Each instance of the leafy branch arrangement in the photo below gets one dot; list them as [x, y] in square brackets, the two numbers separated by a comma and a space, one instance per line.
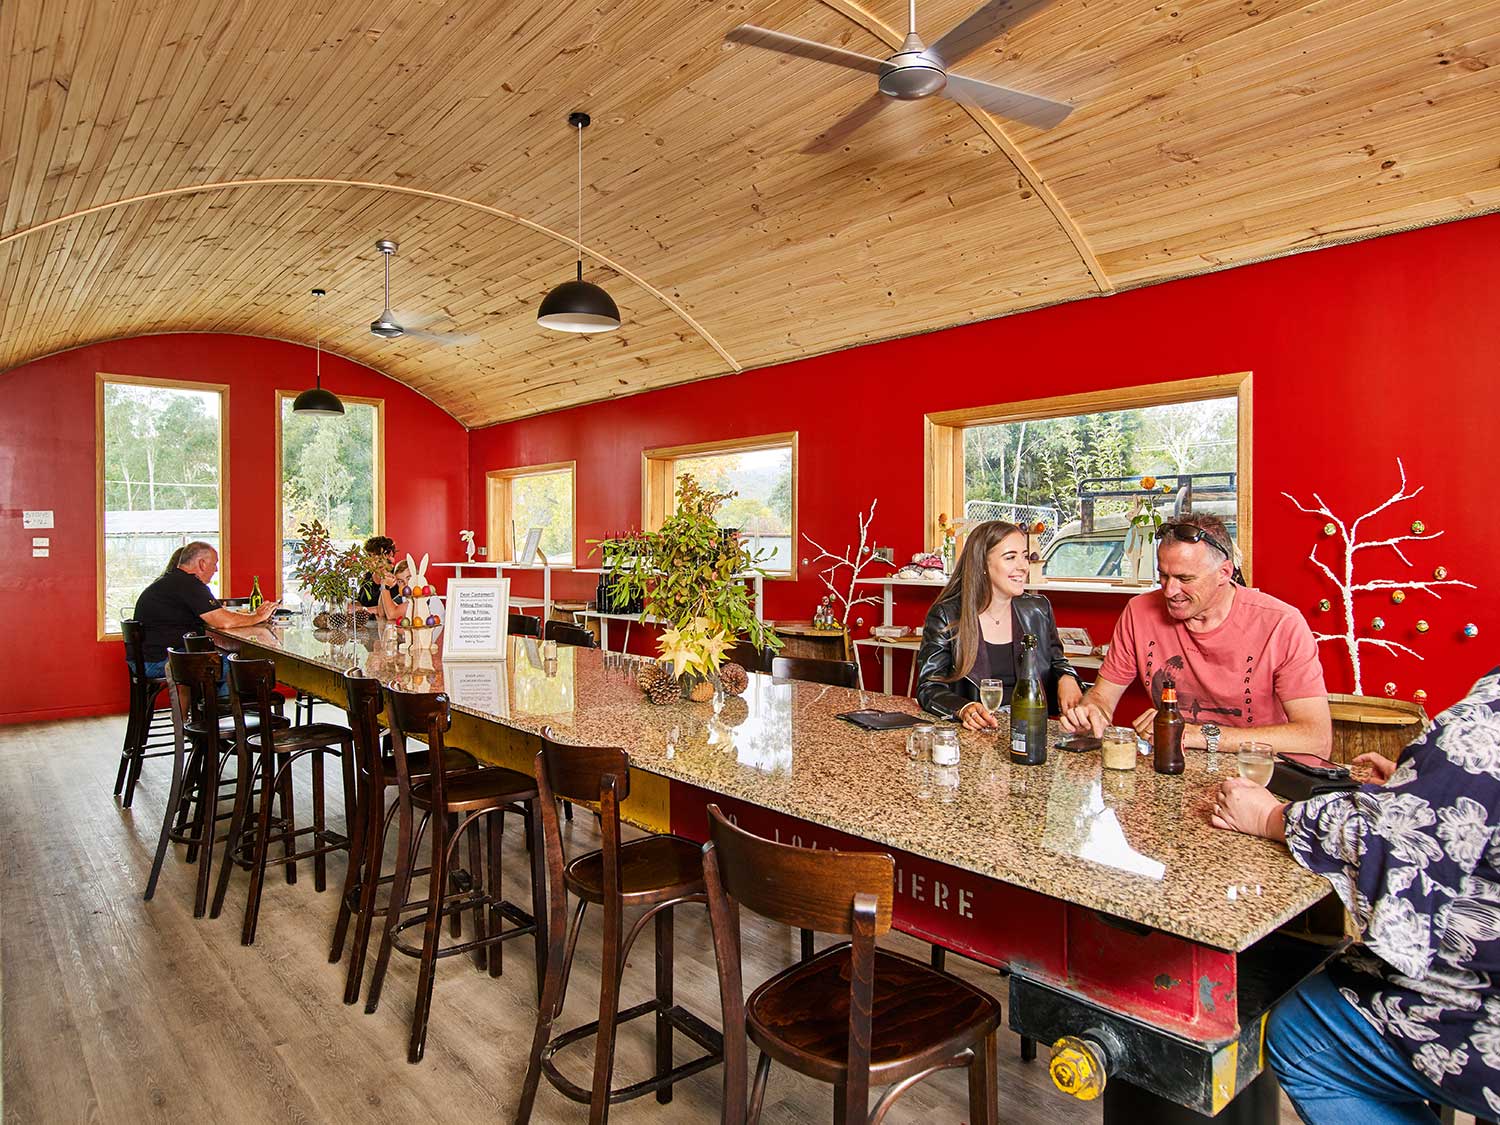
[690, 574]
[323, 570]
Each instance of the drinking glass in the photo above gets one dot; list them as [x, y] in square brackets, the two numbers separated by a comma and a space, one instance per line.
[1256, 762]
[919, 742]
[991, 694]
[945, 746]
[1119, 748]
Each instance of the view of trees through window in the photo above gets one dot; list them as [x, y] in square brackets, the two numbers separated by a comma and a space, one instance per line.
[1081, 474]
[763, 509]
[328, 473]
[544, 500]
[161, 484]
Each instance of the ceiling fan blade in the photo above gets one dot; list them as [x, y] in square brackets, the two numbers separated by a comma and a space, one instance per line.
[989, 21]
[833, 138]
[1013, 105]
[446, 339]
[753, 36]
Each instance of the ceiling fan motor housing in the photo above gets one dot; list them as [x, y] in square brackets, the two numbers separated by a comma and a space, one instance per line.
[912, 73]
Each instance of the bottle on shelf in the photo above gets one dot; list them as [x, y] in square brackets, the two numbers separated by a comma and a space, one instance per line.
[1028, 709]
[256, 597]
[1166, 733]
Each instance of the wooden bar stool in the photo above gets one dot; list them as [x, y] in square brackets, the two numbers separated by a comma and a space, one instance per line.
[374, 774]
[470, 796]
[657, 872]
[148, 726]
[854, 1015]
[268, 752]
[835, 673]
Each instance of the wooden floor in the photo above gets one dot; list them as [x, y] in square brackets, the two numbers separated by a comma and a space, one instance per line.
[118, 1010]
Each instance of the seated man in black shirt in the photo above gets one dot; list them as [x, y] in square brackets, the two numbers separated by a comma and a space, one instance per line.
[380, 588]
[180, 602]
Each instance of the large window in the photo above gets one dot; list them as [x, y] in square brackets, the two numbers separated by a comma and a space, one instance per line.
[762, 471]
[536, 496]
[1080, 465]
[330, 468]
[161, 471]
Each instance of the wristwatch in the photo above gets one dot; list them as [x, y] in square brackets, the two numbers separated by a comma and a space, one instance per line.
[1211, 735]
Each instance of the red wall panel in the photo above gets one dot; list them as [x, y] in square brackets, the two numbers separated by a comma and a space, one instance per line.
[1360, 353]
[53, 664]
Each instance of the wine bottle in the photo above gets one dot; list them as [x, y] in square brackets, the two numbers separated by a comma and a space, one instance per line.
[1166, 733]
[1028, 710]
[256, 598]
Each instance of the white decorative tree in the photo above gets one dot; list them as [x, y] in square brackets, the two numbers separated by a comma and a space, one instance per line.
[1349, 535]
[856, 559]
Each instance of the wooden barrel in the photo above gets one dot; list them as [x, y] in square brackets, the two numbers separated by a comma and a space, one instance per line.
[1364, 723]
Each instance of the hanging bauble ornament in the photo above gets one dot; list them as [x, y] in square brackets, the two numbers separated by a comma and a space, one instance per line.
[1440, 573]
[1422, 626]
[1417, 527]
[1398, 596]
[1377, 623]
[1329, 529]
[1390, 689]
[1324, 605]
[1419, 695]
[1471, 630]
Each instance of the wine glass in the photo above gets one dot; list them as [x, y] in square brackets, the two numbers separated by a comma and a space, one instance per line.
[1256, 762]
[991, 694]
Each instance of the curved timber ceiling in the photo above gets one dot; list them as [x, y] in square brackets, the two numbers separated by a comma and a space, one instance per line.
[201, 166]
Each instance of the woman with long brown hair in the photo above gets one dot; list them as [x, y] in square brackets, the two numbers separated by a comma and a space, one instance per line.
[974, 630]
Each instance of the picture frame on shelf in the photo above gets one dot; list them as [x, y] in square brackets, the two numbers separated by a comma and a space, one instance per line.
[529, 550]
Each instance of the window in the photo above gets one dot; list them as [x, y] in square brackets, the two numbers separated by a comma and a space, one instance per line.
[762, 471]
[161, 472]
[1077, 464]
[330, 469]
[534, 496]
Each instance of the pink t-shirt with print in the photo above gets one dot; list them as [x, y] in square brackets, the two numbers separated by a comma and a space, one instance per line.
[1237, 675]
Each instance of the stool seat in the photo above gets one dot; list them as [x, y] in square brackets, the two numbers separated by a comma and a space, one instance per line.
[478, 789]
[226, 725]
[289, 739]
[651, 869]
[801, 1015]
[418, 762]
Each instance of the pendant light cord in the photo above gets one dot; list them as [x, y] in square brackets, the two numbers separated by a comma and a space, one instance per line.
[580, 201]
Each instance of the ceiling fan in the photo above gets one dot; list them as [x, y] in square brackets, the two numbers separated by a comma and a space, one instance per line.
[387, 327]
[919, 71]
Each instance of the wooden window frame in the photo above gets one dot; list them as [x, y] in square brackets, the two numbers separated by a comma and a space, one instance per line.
[943, 439]
[659, 480]
[222, 390]
[497, 506]
[379, 405]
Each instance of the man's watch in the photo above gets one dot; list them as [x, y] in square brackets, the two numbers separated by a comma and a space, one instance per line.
[1211, 733]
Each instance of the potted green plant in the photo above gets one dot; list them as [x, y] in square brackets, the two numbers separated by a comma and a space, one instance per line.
[690, 575]
[329, 574]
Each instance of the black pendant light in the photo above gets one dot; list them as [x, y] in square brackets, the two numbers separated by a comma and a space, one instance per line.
[578, 306]
[315, 400]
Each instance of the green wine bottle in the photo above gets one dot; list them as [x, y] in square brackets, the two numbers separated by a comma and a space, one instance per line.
[256, 598]
[1028, 710]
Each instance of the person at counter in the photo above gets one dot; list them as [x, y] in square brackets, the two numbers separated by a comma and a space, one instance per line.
[1412, 1014]
[974, 629]
[180, 602]
[1238, 657]
[380, 588]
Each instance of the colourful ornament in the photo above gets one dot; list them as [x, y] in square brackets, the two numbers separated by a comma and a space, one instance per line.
[1419, 695]
[1377, 623]
[406, 591]
[1471, 630]
[435, 619]
[431, 620]
[1324, 605]
[1440, 573]
[1422, 626]
[1390, 689]
[1417, 527]
[1329, 529]
[1398, 596]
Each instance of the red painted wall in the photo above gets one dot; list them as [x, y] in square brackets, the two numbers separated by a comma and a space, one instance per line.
[53, 665]
[1360, 353]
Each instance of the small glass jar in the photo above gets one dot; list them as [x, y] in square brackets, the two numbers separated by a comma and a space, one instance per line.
[919, 742]
[945, 746]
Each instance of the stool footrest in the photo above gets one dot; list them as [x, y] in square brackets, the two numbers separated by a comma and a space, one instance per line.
[680, 1018]
[522, 924]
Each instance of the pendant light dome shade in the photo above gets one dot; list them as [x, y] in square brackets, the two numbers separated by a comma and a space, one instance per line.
[578, 306]
[315, 400]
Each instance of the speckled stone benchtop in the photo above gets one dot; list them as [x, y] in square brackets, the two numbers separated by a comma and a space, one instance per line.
[1134, 845]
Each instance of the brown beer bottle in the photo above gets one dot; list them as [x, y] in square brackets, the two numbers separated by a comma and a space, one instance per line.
[1167, 733]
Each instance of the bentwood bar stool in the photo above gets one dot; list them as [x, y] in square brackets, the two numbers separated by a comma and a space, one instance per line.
[142, 738]
[853, 1016]
[471, 796]
[656, 872]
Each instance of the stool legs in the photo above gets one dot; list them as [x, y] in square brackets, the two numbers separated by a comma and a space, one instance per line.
[664, 995]
[610, 966]
[169, 814]
[984, 1094]
[400, 892]
[359, 850]
[437, 881]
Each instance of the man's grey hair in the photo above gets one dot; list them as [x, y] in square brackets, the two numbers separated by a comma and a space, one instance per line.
[193, 552]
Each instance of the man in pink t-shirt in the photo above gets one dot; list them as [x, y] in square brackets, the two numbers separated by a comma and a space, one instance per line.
[1238, 657]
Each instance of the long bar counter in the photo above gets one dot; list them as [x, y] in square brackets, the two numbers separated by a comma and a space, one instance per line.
[1107, 895]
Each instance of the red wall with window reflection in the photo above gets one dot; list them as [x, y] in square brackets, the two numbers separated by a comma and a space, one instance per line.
[1360, 354]
[54, 666]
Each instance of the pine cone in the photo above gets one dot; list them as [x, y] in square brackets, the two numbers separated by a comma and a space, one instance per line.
[660, 685]
[733, 678]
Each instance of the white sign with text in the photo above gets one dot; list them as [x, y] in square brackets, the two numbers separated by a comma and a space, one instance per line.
[478, 609]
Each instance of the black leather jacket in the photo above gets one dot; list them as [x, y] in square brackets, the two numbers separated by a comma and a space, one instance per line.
[1030, 613]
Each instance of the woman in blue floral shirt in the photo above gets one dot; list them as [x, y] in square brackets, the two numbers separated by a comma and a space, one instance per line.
[1412, 1014]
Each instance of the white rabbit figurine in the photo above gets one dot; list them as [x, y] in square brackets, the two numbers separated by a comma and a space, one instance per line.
[417, 590]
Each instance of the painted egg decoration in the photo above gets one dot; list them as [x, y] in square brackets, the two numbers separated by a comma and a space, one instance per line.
[1418, 527]
[1471, 630]
[1324, 605]
[1419, 695]
[1440, 573]
[1422, 626]
[1390, 688]
[431, 620]
[1377, 624]
[1329, 529]
[1398, 596]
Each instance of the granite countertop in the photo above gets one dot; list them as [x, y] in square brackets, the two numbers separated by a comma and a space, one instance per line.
[1134, 845]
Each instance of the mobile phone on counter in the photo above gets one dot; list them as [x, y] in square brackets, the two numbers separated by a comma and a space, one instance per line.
[1313, 764]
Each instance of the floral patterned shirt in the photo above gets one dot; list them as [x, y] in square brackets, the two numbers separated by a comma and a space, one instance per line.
[1417, 864]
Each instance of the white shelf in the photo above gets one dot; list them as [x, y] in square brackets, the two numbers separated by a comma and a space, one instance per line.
[893, 581]
[1082, 586]
[510, 566]
[911, 644]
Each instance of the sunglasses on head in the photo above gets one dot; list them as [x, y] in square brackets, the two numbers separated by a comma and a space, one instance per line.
[1187, 533]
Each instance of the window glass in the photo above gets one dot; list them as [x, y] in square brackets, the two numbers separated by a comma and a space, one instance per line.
[762, 510]
[329, 467]
[161, 485]
[544, 500]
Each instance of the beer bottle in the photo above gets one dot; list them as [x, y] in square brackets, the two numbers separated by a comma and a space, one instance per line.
[256, 598]
[1167, 733]
[1028, 710]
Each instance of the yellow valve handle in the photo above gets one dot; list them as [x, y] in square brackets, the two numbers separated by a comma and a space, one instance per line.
[1077, 1068]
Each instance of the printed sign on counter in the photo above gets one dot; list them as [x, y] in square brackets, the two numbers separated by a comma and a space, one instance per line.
[478, 609]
